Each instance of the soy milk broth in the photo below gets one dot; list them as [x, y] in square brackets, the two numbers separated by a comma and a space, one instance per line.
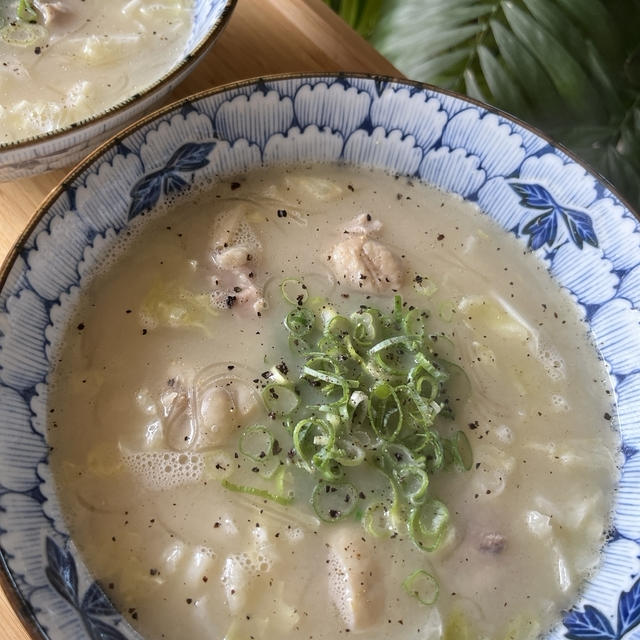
[82, 57]
[182, 556]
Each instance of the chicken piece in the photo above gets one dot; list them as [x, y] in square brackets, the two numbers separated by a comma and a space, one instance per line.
[232, 258]
[365, 225]
[492, 543]
[236, 249]
[232, 232]
[355, 579]
[56, 14]
[364, 263]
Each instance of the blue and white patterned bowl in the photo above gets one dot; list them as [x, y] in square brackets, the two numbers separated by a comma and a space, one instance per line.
[66, 146]
[579, 229]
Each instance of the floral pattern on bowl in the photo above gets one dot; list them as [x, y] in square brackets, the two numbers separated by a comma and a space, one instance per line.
[578, 228]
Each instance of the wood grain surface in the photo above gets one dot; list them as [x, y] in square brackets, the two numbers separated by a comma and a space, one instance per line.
[262, 37]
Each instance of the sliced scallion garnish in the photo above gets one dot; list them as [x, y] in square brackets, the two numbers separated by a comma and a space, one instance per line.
[359, 408]
[26, 12]
[334, 501]
[422, 586]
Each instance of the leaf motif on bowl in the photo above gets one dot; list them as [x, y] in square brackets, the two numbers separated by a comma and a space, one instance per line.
[93, 606]
[543, 228]
[146, 193]
[593, 624]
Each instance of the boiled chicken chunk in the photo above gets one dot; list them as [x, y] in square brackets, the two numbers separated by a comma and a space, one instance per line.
[58, 16]
[236, 250]
[355, 578]
[364, 263]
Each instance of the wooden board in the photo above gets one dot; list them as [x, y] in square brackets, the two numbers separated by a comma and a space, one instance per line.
[262, 37]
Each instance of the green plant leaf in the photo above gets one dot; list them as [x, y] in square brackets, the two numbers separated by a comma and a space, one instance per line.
[567, 75]
[597, 23]
[525, 69]
[502, 87]
[473, 88]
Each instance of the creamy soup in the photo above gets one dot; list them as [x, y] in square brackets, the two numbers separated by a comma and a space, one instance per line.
[319, 401]
[62, 61]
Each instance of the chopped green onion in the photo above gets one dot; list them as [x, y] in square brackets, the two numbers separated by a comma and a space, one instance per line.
[447, 309]
[333, 501]
[280, 399]
[425, 286]
[427, 524]
[364, 329]
[294, 291]
[26, 12]
[22, 34]
[256, 442]
[366, 395]
[313, 439]
[377, 520]
[413, 323]
[462, 454]
[413, 481]
[385, 412]
[255, 491]
[299, 322]
[423, 586]
[349, 454]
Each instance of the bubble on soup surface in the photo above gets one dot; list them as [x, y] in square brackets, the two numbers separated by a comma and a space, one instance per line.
[295, 534]
[504, 434]
[161, 470]
[559, 403]
[553, 363]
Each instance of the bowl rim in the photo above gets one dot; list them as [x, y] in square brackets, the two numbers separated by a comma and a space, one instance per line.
[184, 64]
[18, 603]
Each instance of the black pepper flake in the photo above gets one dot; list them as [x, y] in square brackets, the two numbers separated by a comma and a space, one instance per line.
[235, 185]
[440, 236]
[144, 332]
[231, 367]
[153, 572]
[37, 51]
[231, 300]
[607, 416]
[81, 326]
[189, 600]
[282, 213]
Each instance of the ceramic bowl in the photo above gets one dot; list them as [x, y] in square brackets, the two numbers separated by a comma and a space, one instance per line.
[66, 146]
[576, 225]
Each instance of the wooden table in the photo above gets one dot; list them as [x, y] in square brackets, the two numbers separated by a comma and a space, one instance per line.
[263, 37]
